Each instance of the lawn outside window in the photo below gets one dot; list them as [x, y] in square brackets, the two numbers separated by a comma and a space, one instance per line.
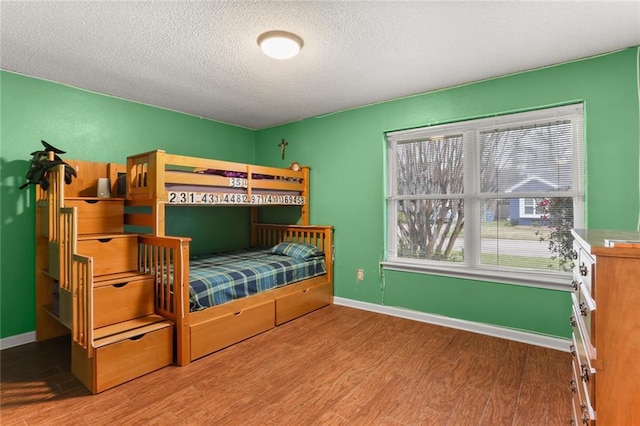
[487, 199]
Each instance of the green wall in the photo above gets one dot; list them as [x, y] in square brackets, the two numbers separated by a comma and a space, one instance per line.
[346, 153]
[92, 127]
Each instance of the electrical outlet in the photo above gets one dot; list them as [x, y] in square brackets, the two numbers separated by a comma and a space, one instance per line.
[360, 274]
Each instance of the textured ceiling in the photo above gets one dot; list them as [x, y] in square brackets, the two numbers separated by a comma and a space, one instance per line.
[202, 58]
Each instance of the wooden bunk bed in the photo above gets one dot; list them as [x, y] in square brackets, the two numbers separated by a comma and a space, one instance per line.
[157, 179]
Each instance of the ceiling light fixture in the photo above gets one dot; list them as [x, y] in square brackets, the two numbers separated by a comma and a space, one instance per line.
[280, 44]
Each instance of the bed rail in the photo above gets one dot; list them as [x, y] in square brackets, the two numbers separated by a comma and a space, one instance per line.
[267, 235]
[65, 246]
[82, 279]
[57, 230]
[270, 234]
[149, 172]
[76, 277]
[167, 258]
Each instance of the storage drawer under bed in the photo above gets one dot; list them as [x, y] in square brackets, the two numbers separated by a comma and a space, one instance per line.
[304, 301]
[217, 333]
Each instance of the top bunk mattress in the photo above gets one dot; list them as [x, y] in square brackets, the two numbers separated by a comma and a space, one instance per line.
[219, 278]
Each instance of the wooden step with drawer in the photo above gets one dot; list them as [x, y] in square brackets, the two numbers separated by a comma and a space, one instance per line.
[121, 297]
[125, 351]
[94, 215]
[98, 215]
[111, 253]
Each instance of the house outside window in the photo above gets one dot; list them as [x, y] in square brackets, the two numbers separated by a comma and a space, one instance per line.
[491, 198]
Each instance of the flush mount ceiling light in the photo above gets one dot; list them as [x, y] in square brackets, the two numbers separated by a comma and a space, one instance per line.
[280, 44]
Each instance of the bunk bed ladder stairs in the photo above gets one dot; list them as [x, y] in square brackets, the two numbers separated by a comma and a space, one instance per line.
[116, 334]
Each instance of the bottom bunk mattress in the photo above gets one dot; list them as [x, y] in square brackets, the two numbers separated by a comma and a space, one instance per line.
[219, 278]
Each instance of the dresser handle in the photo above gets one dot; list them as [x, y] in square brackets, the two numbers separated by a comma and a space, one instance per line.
[583, 309]
[572, 351]
[583, 270]
[585, 414]
[584, 372]
[574, 285]
[574, 254]
[572, 321]
[573, 386]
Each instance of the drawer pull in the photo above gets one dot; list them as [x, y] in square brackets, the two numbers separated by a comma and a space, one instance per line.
[573, 321]
[573, 386]
[306, 290]
[237, 314]
[574, 285]
[91, 201]
[585, 414]
[584, 311]
[104, 240]
[136, 337]
[574, 254]
[583, 270]
[572, 351]
[120, 285]
[584, 372]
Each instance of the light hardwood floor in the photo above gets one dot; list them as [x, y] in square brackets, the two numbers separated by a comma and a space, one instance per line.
[335, 366]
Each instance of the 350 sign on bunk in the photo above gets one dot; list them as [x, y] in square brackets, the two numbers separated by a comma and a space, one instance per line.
[188, 197]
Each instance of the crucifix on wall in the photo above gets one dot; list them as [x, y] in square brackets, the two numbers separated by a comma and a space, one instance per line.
[282, 147]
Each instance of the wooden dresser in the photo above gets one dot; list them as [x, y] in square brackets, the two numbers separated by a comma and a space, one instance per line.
[606, 328]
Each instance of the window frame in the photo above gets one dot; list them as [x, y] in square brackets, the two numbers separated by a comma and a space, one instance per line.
[471, 129]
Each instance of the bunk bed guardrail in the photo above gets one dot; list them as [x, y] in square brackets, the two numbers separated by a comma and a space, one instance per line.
[167, 259]
[76, 277]
[56, 229]
[82, 331]
[149, 172]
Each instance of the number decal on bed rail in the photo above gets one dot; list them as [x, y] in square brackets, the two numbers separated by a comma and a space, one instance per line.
[209, 198]
[235, 182]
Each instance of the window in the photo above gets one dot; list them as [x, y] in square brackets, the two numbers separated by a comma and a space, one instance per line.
[491, 198]
[531, 208]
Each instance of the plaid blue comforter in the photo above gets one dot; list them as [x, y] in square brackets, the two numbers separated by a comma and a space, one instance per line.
[219, 278]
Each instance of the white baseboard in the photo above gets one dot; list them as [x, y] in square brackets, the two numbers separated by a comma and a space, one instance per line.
[17, 340]
[550, 342]
[545, 341]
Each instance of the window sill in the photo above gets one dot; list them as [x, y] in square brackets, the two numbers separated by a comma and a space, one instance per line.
[550, 281]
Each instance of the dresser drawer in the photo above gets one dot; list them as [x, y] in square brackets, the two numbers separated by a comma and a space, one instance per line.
[585, 373]
[583, 268]
[217, 333]
[584, 307]
[582, 345]
[98, 216]
[112, 254]
[581, 398]
[124, 301]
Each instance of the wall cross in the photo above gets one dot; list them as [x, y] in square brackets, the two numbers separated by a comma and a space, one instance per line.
[282, 146]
